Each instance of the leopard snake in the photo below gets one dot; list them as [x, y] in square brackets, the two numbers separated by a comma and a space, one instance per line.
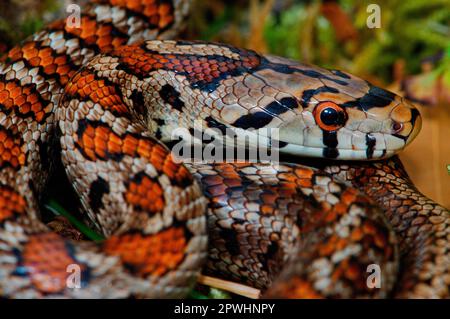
[111, 92]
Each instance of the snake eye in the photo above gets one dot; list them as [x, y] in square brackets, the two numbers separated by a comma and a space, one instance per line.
[329, 116]
[397, 127]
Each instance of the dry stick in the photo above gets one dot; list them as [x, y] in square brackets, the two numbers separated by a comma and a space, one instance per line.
[230, 286]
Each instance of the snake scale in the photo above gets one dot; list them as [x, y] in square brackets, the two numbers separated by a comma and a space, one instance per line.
[111, 92]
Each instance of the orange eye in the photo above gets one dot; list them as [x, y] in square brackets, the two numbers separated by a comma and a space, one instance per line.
[329, 116]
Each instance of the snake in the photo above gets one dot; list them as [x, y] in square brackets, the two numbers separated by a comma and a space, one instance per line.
[108, 97]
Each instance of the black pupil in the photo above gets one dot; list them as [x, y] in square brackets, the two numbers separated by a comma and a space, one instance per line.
[330, 116]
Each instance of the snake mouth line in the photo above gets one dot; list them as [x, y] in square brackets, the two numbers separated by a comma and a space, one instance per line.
[338, 153]
[371, 152]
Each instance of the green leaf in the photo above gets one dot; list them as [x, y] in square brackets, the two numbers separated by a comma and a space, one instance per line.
[194, 294]
[215, 293]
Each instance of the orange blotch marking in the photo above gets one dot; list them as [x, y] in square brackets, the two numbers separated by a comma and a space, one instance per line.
[296, 288]
[150, 254]
[330, 215]
[86, 86]
[288, 177]
[197, 69]
[303, 182]
[380, 240]
[10, 203]
[30, 53]
[329, 247]
[267, 209]
[269, 197]
[287, 190]
[146, 194]
[353, 272]
[341, 243]
[21, 99]
[304, 172]
[165, 13]
[11, 150]
[339, 271]
[357, 234]
[14, 54]
[211, 180]
[232, 182]
[349, 196]
[369, 228]
[50, 62]
[101, 142]
[94, 33]
[217, 190]
[46, 258]
[158, 14]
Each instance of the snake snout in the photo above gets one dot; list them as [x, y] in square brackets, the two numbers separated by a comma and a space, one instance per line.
[406, 121]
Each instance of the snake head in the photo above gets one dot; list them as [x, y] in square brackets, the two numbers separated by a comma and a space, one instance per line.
[341, 116]
[316, 112]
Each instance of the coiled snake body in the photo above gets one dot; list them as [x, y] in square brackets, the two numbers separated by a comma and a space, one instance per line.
[292, 230]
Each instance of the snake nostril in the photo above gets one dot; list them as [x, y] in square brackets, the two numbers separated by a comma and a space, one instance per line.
[397, 127]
